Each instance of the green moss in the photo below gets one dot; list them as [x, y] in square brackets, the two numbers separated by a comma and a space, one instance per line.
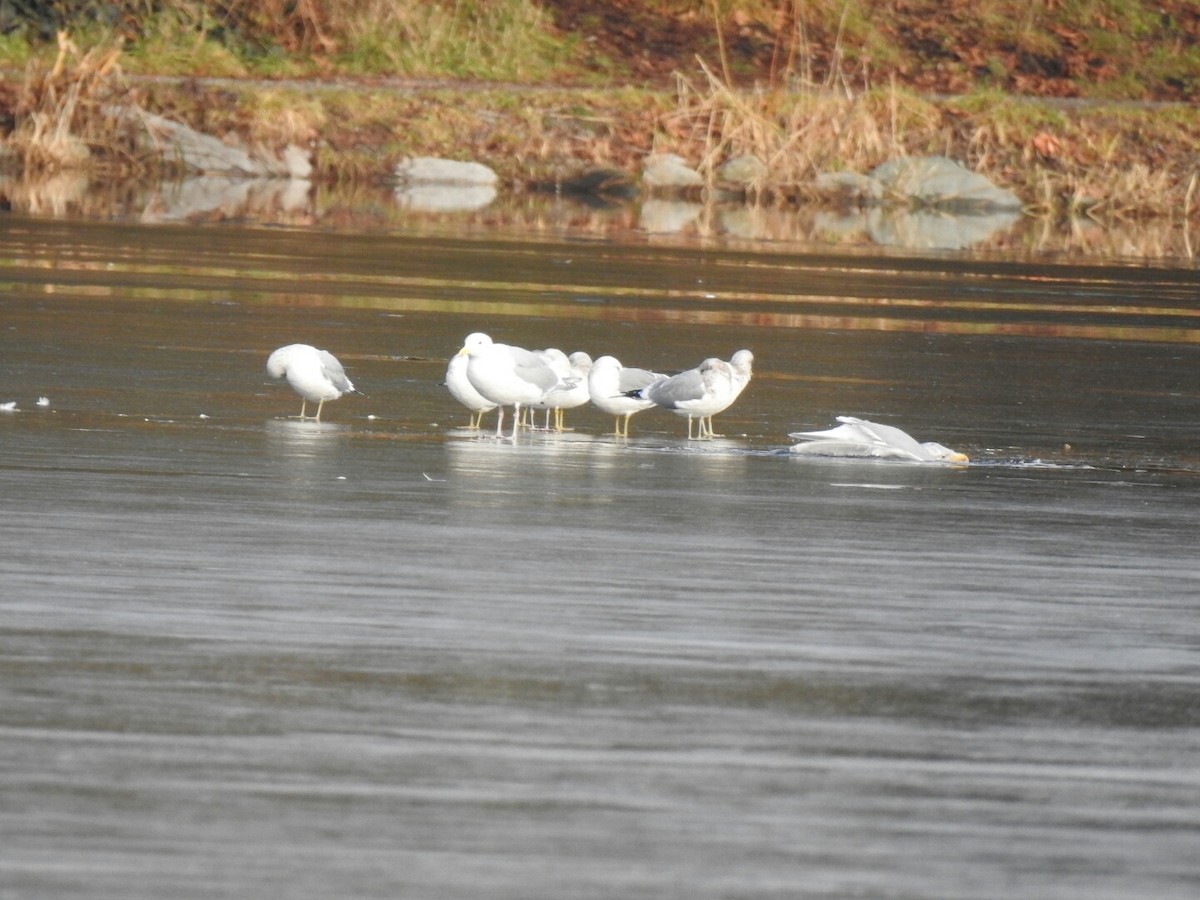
[15, 51]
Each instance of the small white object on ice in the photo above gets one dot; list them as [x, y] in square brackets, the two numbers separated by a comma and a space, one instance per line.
[43, 401]
[10, 406]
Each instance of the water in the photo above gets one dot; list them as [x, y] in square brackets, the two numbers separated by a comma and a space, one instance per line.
[384, 657]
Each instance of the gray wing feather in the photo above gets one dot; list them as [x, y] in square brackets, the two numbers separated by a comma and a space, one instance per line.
[677, 389]
[636, 379]
[334, 372]
[533, 368]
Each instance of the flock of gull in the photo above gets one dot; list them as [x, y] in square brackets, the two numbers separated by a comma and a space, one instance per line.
[485, 375]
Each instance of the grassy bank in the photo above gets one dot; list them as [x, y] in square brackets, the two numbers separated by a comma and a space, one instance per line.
[1047, 99]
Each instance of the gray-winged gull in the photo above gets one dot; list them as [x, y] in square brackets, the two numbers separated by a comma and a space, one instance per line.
[509, 376]
[704, 391]
[464, 392]
[860, 439]
[313, 374]
[569, 368]
[611, 385]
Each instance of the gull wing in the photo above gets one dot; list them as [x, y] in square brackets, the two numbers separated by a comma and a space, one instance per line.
[670, 392]
[636, 379]
[529, 366]
[332, 369]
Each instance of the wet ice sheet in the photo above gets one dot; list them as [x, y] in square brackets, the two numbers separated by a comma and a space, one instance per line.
[242, 655]
[615, 670]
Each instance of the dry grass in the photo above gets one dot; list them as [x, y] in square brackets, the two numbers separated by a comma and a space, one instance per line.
[60, 114]
[798, 133]
[1121, 165]
[1062, 162]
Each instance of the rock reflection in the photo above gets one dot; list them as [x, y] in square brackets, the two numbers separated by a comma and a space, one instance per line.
[444, 198]
[915, 229]
[223, 197]
[358, 207]
[668, 216]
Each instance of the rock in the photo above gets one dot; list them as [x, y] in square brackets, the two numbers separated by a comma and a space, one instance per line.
[941, 182]
[204, 154]
[743, 170]
[433, 170]
[666, 171]
[198, 152]
[598, 182]
[297, 163]
[848, 187]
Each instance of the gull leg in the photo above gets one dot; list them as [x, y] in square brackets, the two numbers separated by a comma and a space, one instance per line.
[517, 418]
[499, 419]
[303, 406]
[320, 405]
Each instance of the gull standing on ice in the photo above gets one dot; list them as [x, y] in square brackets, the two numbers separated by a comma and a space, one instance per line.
[464, 392]
[611, 386]
[313, 374]
[576, 366]
[509, 376]
[860, 439]
[704, 391]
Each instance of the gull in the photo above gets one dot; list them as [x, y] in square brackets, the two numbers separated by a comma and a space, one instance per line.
[611, 387]
[860, 439]
[509, 376]
[464, 392]
[576, 366]
[313, 374]
[702, 392]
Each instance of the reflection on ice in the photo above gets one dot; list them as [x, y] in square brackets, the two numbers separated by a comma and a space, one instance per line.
[667, 216]
[54, 195]
[203, 196]
[441, 198]
[479, 669]
[916, 229]
[303, 436]
[355, 206]
[936, 230]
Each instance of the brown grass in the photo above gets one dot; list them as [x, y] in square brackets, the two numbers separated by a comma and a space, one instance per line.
[798, 133]
[60, 114]
[1110, 164]
[1106, 163]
